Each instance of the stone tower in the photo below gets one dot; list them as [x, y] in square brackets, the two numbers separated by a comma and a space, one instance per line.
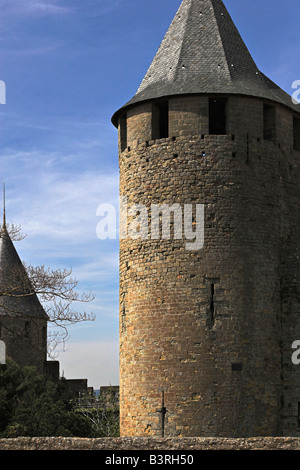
[206, 334]
[23, 321]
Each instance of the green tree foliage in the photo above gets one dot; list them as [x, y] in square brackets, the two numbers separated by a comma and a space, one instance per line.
[31, 405]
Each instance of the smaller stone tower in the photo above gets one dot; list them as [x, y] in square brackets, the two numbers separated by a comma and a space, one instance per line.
[23, 321]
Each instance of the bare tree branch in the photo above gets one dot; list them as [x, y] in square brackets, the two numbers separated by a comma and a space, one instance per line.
[15, 232]
[56, 292]
[102, 411]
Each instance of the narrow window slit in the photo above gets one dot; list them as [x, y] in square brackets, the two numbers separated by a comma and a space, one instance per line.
[123, 132]
[269, 120]
[123, 322]
[237, 366]
[160, 120]
[296, 134]
[247, 159]
[211, 313]
[27, 329]
[217, 116]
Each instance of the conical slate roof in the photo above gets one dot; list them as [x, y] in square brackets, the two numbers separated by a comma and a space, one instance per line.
[19, 299]
[203, 52]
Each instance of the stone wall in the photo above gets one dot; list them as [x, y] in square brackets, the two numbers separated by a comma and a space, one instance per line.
[211, 328]
[25, 338]
[189, 115]
[144, 444]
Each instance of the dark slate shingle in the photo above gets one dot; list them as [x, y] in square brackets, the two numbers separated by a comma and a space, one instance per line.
[203, 52]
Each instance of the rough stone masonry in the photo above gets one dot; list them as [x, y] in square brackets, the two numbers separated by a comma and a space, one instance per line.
[147, 444]
[206, 335]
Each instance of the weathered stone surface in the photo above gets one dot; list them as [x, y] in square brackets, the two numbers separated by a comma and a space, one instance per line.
[140, 444]
[225, 370]
[206, 334]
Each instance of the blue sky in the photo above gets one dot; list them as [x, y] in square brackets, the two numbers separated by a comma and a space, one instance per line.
[68, 65]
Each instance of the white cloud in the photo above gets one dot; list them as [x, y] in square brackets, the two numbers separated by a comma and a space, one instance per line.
[34, 51]
[48, 7]
[101, 7]
[52, 204]
[57, 7]
[19, 7]
[98, 269]
[57, 211]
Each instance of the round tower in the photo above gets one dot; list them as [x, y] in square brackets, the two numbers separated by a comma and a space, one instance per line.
[207, 149]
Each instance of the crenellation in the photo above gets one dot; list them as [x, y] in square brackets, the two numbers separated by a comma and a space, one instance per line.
[139, 125]
[245, 117]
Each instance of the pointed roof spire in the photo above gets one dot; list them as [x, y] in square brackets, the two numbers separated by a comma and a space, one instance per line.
[203, 52]
[21, 299]
[4, 215]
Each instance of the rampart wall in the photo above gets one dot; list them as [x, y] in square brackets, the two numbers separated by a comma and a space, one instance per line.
[142, 444]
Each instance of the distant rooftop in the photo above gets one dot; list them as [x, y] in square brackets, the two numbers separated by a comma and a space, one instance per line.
[203, 52]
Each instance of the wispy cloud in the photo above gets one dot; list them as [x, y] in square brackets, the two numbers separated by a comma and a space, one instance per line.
[59, 158]
[34, 51]
[55, 206]
[47, 7]
[101, 7]
[58, 7]
[44, 7]
[57, 211]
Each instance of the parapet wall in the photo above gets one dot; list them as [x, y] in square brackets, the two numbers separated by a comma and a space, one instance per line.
[191, 115]
[142, 444]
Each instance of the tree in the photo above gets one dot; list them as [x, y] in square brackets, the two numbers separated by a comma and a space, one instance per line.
[102, 411]
[55, 288]
[15, 232]
[32, 405]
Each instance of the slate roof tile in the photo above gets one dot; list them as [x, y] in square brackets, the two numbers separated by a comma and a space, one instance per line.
[203, 52]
